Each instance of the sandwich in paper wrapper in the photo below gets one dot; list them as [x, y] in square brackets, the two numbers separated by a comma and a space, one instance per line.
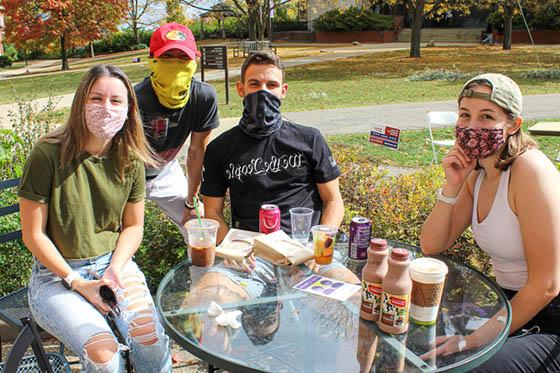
[277, 247]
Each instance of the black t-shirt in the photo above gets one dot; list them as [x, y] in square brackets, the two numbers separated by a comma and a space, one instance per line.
[282, 169]
[168, 129]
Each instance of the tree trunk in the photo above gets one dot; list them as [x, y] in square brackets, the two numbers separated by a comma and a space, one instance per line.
[135, 31]
[508, 15]
[201, 29]
[416, 35]
[91, 51]
[252, 25]
[63, 54]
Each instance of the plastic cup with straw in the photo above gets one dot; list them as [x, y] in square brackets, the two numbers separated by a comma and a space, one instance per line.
[202, 238]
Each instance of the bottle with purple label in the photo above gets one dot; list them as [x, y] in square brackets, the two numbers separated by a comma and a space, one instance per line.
[360, 235]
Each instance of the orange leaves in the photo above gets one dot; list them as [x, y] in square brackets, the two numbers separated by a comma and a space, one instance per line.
[46, 21]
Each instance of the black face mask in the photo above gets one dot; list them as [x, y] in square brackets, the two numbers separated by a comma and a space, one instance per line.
[261, 114]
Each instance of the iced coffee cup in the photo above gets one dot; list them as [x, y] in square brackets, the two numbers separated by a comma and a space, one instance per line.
[202, 241]
[428, 278]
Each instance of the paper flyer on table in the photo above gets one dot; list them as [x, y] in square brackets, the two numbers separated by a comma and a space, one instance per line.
[327, 287]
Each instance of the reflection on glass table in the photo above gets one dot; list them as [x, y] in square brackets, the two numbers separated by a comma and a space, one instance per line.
[286, 330]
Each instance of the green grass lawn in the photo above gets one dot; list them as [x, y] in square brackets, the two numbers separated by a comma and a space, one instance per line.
[381, 78]
[415, 149]
[367, 80]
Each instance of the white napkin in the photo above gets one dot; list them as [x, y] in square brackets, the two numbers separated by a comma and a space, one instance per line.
[224, 318]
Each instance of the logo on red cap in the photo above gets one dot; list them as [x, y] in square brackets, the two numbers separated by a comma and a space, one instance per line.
[175, 35]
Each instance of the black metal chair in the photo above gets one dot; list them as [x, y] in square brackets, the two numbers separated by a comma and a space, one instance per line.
[14, 307]
[41, 361]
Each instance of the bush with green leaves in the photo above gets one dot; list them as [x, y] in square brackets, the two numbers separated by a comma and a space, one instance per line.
[122, 41]
[440, 74]
[544, 74]
[11, 52]
[28, 123]
[5, 61]
[138, 47]
[352, 19]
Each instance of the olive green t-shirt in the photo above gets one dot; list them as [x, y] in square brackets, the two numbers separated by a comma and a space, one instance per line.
[86, 198]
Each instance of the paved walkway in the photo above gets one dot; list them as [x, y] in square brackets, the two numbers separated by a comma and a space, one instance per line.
[329, 54]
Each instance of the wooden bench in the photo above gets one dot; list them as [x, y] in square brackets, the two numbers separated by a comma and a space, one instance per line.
[546, 129]
[248, 47]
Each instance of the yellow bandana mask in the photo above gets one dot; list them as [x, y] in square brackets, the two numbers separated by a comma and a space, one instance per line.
[171, 80]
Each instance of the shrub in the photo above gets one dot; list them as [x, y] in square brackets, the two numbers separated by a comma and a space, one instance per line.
[11, 52]
[28, 123]
[138, 47]
[162, 247]
[122, 41]
[5, 61]
[545, 74]
[439, 74]
[352, 19]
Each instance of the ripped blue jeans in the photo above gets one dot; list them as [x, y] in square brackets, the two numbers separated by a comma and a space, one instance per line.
[79, 325]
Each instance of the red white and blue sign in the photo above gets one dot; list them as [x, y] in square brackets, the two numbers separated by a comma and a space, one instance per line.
[386, 136]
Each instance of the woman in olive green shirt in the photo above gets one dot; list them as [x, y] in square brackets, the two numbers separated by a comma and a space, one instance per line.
[82, 213]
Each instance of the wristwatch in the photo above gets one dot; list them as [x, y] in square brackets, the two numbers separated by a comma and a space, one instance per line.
[449, 200]
[68, 280]
[461, 344]
[188, 205]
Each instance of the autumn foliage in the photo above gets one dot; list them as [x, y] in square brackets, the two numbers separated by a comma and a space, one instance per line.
[64, 22]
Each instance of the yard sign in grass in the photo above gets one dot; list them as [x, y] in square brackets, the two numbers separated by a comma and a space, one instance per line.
[386, 136]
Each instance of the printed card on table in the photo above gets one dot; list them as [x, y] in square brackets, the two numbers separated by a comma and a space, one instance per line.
[327, 287]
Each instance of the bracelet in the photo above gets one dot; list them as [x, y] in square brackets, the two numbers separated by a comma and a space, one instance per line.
[188, 205]
[449, 200]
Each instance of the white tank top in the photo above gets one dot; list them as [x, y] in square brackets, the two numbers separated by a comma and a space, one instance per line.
[499, 236]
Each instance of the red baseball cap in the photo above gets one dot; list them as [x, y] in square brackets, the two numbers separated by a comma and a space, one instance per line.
[173, 36]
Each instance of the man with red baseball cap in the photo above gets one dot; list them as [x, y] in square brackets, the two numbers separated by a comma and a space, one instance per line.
[174, 107]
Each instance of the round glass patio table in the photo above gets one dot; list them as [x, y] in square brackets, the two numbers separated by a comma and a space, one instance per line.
[287, 330]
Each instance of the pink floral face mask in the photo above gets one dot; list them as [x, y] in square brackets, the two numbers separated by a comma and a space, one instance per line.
[104, 122]
[479, 143]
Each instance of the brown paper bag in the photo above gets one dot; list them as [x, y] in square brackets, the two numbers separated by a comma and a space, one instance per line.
[279, 249]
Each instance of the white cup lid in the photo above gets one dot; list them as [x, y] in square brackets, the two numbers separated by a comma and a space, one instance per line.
[428, 270]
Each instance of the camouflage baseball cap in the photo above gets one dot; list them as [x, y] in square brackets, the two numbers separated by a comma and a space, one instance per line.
[505, 92]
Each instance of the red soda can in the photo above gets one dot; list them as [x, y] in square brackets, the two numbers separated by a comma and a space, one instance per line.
[269, 218]
[360, 235]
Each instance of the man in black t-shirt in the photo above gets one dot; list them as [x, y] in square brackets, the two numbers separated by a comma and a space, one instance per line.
[268, 159]
[174, 107]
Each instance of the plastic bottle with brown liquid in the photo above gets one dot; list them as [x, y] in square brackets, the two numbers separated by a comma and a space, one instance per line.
[372, 276]
[395, 300]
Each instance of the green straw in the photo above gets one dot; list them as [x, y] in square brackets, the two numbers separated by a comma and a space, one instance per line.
[195, 199]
